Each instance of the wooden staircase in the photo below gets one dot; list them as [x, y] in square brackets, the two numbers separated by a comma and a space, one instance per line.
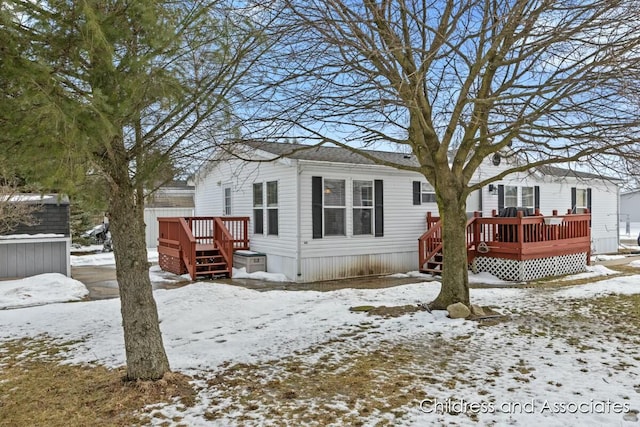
[201, 246]
[434, 265]
[430, 248]
[430, 256]
[210, 262]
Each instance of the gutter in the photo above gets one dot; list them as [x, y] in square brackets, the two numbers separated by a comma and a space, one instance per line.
[298, 225]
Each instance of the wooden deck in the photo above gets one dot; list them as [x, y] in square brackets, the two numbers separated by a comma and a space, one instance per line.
[516, 238]
[201, 246]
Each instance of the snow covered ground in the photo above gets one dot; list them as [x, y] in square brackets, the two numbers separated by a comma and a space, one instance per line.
[522, 372]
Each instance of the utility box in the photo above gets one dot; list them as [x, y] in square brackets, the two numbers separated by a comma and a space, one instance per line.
[252, 261]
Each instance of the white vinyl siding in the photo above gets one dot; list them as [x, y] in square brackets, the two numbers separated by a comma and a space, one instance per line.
[356, 255]
[555, 194]
[295, 253]
[280, 250]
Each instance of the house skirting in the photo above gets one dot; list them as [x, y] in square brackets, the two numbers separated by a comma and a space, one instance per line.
[531, 269]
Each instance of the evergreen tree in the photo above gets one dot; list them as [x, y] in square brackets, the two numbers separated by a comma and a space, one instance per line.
[119, 89]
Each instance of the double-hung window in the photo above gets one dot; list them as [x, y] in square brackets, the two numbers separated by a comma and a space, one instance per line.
[272, 208]
[528, 197]
[427, 195]
[334, 207]
[362, 207]
[581, 200]
[258, 208]
[226, 206]
[510, 196]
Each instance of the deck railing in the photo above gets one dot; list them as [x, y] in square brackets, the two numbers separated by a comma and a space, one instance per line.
[224, 242]
[188, 246]
[177, 242]
[203, 229]
[519, 238]
[430, 243]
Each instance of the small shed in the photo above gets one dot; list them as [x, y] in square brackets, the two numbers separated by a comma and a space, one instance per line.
[172, 200]
[44, 247]
[630, 206]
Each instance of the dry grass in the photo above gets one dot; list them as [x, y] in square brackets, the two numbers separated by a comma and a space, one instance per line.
[35, 389]
[338, 382]
[329, 391]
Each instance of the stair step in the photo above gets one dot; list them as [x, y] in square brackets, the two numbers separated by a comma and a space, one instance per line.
[218, 257]
[434, 265]
[212, 273]
[212, 264]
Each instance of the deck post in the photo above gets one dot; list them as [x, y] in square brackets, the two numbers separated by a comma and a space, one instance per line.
[246, 234]
[554, 212]
[476, 229]
[520, 233]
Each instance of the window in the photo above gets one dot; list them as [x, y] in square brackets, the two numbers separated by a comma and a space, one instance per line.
[258, 210]
[510, 196]
[362, 207]
[427, 195]
[334, 207]
[272, 208]
[528, 197]
[226, 206]
[581, 200]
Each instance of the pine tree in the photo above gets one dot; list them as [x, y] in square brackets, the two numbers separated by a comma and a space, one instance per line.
[119, 90]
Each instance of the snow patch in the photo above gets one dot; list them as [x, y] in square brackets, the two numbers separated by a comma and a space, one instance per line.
[241, 273]
[41, 289]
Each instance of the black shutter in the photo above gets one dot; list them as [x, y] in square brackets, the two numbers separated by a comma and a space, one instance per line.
[316, 206]
[417, 191]
[500, 198]
[573, 200]
[589, 199]
[379, 211]
[536, 197]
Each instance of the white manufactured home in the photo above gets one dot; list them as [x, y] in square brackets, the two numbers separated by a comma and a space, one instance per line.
[326, 213]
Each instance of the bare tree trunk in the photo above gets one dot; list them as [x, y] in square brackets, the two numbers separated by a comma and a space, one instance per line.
[146, 357]
[455, 280]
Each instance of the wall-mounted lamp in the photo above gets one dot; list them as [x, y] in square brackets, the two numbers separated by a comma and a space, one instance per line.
[493, 189]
